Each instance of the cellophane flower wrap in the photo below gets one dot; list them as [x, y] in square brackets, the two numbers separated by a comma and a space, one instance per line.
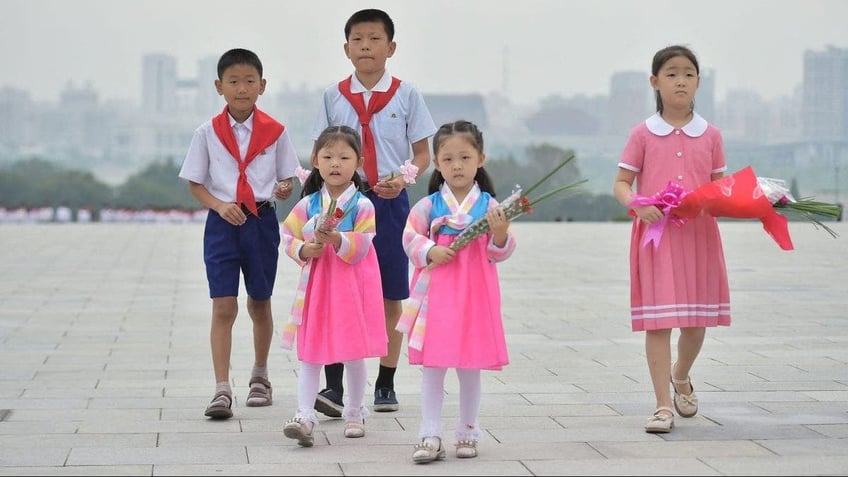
[743, 195]
[330, 218]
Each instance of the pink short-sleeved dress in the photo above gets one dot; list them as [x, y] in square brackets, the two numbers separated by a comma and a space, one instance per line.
[683, 282]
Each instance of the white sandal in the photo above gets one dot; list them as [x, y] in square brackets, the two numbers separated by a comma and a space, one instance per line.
[661, 422]
[685, 404]
[466, 449]
[428, 450]
[354, 429]
[300, 429]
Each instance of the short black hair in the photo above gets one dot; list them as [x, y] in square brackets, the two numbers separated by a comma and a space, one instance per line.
[371, 15]
[238, 56]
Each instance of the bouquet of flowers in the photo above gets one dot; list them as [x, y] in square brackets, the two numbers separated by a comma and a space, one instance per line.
[741, 195]
[517, 204]
[302, 174]
[329, 220]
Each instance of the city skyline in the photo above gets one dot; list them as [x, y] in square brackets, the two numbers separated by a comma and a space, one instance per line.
[527, 52]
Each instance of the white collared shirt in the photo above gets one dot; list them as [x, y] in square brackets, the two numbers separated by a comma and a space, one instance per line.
[405, 120]
[209, 163]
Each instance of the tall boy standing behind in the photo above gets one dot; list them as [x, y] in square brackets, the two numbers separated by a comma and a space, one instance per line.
[392, 119]
[232, 166]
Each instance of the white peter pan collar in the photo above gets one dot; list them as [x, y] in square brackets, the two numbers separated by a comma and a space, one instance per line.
[696, 127]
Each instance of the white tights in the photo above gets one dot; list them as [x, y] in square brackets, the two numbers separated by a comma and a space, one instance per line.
[308, 383]
[432, 400]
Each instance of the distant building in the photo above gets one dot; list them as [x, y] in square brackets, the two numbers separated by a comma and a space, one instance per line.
[705, 103]
[630, 101]
[159, 83]
[743, 118]
[447, 108]
[208, 101]
[17, 119]
[824, 112]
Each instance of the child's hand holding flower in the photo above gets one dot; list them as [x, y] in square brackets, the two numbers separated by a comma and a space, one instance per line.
[439, 254]
[284, 189]
[311, 250]
[332, 237]
[498, 225]
[391, 187]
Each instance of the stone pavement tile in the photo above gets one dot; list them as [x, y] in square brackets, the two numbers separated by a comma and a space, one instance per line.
[65, 440]
[647, 465]
[790, 466]
[199, 424]
[800, 445]
[329, 468]
[836, 431]
[155, 455]
[105, 470]
[738, 432]
[30, 456]
[448, 466]
[177, 438]
[586, 434]
[701, 448]
[24, 428]
[81, 415]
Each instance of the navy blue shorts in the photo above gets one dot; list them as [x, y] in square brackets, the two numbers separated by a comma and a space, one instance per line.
[390, 218]
[252, 249]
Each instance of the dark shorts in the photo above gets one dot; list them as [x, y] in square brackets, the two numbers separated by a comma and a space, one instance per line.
[390, 218]
[252, 249]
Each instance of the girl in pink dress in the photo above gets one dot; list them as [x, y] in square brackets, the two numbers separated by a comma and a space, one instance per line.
[453, 316]
[337, 316]
[680, 279]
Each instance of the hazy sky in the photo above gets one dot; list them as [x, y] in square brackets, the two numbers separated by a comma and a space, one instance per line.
[547, 46]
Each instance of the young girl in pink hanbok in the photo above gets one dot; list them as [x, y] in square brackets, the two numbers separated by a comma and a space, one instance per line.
[453, 316]
[338, 315]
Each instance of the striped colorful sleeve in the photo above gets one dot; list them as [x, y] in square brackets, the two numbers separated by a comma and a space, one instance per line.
[356, 243]
[416, 233]
[291, 231]
[495, 253]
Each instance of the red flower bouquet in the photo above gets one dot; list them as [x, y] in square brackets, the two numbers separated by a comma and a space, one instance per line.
[743, 195]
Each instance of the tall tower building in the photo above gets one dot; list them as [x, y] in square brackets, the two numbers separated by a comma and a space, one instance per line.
[630, 101]
[209, 102]
[159, 83]
[705, 96]
[824, 109]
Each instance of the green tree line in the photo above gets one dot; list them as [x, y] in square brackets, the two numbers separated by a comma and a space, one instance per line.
[36, 182]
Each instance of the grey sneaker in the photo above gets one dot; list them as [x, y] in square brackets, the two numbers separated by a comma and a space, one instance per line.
[385, 400]
[330, 403]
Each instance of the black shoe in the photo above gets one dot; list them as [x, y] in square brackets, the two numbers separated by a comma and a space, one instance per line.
[385, 400]
[329, 403]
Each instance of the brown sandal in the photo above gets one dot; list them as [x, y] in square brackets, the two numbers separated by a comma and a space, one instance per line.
[221, 406]
[260, 392]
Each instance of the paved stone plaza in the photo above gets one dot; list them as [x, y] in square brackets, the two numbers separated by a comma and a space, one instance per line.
[105, 367]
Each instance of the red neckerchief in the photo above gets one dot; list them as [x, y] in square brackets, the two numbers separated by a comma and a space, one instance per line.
[266, 131]
[378, 101]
